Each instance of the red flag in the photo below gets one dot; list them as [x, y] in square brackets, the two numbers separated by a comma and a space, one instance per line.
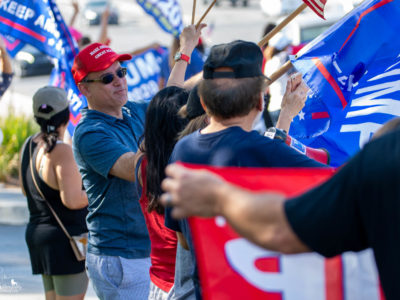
[230, 267]
[317, 6]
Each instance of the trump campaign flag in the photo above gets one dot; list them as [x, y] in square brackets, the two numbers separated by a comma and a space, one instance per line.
[231, 267]
[41, 24]
[353, 71]
[13, 45]
[167, 13]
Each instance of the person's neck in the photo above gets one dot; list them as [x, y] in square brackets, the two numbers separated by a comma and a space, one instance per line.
[219, 124]
[114, 112]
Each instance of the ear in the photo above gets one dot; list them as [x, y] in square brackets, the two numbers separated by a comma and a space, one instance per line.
[202, 104]
[83, 88]
[260, 105]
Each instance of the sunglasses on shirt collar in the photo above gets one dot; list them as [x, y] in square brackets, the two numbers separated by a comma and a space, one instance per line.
[108, 77]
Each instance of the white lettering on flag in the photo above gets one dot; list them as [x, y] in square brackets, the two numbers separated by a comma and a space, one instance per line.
[291, 280]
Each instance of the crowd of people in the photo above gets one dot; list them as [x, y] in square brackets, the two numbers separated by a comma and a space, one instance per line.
[119, 181]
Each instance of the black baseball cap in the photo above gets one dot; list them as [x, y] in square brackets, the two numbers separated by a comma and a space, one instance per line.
[245, 58]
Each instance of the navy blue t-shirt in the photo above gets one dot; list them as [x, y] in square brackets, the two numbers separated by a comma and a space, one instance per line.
[231, 147]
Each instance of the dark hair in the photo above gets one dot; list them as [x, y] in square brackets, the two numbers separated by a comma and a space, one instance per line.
[48, 128]
[227, 98]
[84, 41]
[160, 135]
[194, 124]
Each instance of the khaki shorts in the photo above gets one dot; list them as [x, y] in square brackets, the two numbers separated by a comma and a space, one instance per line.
[66, 285]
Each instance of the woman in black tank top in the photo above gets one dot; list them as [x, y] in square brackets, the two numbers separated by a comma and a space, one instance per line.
[58, 178]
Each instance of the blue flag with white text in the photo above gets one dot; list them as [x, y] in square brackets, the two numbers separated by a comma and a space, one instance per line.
[167, 13]
[13, 45]
[41, 24]
[353, 70]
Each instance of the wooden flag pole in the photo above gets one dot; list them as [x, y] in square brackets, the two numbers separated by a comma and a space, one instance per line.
[281, 25]
[193, 11]
[278, 74]
[205, 13]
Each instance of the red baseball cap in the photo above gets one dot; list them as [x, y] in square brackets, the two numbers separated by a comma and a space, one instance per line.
[94, 58]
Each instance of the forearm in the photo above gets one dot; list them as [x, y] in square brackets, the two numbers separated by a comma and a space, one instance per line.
[124, 167]
[177, 76]
[284, 120]
[259, 218]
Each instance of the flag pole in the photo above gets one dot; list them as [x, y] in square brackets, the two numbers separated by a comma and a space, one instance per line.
[205, 13]
[278, 74]
[281, 25]
[193, 11]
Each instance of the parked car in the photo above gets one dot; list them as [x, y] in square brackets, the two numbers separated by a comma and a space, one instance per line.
[29, 61]
[93, 10]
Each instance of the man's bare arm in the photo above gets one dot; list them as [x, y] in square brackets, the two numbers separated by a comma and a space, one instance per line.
[124, 167]
[257, 217]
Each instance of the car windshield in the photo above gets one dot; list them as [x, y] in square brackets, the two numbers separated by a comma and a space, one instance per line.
[309, 33]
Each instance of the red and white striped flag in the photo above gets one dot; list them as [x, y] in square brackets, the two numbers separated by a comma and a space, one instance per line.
[317, 6]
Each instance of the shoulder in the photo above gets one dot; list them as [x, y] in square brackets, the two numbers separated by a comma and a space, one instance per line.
[62, 152]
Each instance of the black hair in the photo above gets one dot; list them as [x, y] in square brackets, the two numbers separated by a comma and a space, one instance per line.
[48, 128]
[162, 126]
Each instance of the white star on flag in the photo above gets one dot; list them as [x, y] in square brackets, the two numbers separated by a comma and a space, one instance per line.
[301, 115]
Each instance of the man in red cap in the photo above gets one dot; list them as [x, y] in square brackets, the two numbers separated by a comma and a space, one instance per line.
[104, 144]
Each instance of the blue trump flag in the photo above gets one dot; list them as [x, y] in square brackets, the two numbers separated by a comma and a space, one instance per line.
[41, 24]
[353, 70]
[167, 14]
[143, 72]
[13, 45]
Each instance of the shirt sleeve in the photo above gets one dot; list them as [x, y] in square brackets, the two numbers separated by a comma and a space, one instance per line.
[7, 78]
[100, 150]
[327, 219]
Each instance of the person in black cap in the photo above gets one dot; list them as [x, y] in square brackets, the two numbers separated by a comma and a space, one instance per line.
[231, 93]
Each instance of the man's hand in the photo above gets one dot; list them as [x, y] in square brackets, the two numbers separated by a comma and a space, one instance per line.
[189, 38]
[191, 192]
[293, 101]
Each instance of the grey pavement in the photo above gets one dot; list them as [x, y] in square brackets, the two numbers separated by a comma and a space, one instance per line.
[16, 279]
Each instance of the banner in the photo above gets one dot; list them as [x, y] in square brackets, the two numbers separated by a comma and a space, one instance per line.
[41, 24]
[13, 45]
[143, 72]
[353, 71]
[230, 267]
[167, 14]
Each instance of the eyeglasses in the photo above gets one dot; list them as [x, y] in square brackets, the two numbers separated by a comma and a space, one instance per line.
[108, 77]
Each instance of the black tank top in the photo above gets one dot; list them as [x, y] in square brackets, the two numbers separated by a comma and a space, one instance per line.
[38, 208]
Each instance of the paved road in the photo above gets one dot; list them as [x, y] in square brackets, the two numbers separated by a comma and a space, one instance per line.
[16, 279]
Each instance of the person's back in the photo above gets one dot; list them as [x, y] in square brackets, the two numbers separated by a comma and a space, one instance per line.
[234, 146]
[50, 178]
[232, 94]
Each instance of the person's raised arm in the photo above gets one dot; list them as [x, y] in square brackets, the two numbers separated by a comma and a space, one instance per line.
[75, 5]
[257, 217]
[103, 37]
[189, 39]
[293, 101]
[5, 58]
[68, 178]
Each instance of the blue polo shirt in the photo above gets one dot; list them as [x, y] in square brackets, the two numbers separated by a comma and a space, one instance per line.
[115, 220]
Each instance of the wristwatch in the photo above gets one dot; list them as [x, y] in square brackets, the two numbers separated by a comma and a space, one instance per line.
[180, 56]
